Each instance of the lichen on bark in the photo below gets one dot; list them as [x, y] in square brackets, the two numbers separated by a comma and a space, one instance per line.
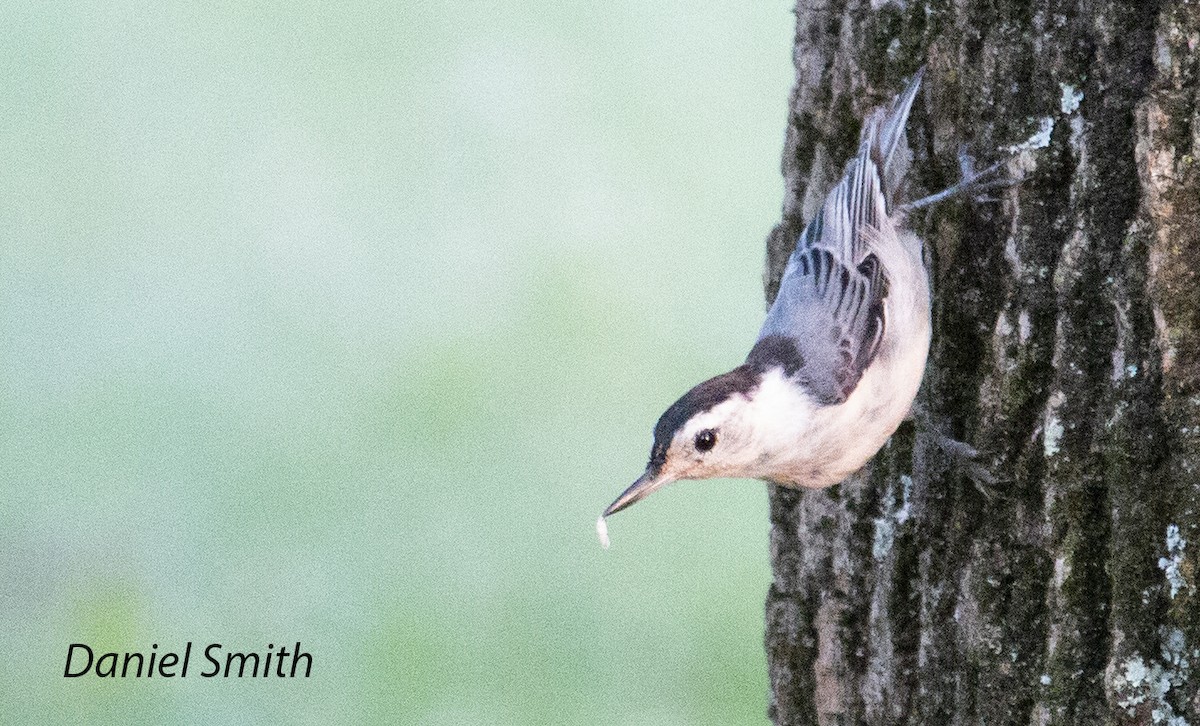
[1066, 348]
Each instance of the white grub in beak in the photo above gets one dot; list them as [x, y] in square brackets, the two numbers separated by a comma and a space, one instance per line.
[602, 531]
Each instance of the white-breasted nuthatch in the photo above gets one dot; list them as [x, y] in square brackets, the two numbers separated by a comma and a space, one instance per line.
[841, 355]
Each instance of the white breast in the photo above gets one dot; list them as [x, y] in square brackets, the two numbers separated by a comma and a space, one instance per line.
[817, 446]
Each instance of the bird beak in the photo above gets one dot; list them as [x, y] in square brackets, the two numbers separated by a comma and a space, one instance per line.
[639, 490]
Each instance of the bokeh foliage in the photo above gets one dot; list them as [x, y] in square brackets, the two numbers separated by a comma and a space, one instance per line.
[340, 323]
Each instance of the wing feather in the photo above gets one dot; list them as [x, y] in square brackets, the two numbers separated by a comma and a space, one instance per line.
[831, 306]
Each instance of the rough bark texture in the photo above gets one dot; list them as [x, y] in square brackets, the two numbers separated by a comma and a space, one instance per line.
[1066, 349]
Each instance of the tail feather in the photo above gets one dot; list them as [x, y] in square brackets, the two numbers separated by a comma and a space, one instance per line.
[859, 207]
[884, 131]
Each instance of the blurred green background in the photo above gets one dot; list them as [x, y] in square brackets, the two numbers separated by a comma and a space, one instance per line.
[340, 323]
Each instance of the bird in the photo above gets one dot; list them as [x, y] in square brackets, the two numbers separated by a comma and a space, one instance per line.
[840, 357]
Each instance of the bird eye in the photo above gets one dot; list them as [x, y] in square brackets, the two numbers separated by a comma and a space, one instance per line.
[706, 439]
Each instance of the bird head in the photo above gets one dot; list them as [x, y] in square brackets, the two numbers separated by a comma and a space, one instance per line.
[709, 432]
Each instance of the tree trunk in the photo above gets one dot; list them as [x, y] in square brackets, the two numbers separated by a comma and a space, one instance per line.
[1066, 348]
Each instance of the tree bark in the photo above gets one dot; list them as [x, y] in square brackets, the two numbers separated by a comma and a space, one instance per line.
[1066, 348]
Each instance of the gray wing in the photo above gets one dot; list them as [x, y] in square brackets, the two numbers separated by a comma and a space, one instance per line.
[830, 306]
[828, 319]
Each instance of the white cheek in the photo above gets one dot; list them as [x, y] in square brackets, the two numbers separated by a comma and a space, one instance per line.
[686, 462]
[782, 413]
[754, 434]
[734, 449]
[712, 419]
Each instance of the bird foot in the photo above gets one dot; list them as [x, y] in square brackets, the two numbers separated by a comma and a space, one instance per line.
[973, 184]
[967, 459]
[961, 454]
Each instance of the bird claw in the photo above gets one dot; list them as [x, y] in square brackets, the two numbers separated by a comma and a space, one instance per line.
[961, 454]
[971, 185]
[967, 459]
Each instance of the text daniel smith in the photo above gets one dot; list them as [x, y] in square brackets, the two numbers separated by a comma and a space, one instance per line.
[217, 662]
